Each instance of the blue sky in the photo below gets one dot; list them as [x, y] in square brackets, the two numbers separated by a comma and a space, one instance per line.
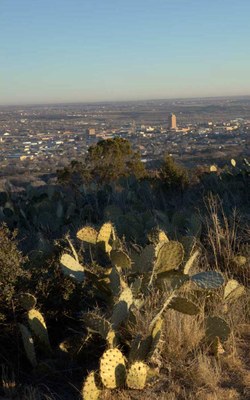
[97, 50]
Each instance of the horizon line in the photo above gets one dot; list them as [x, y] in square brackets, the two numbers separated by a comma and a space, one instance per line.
[122, 101]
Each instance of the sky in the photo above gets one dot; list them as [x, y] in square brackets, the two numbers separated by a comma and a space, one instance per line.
[56, 51]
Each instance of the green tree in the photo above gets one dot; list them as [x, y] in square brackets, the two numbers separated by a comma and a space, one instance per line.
[173, 175]
[105, 162]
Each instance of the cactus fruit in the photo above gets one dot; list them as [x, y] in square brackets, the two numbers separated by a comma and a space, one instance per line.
[216, 327]
[91, 389]
[233, 290]
[208, 280]
[112, 369]
[184, 306]
[213, 168]
[38, 327]
[71, 267]
[28, 344]
[121, 309]
[120, 259]
[27, 301]
[169, 257]
[137, 375]
[87, 234]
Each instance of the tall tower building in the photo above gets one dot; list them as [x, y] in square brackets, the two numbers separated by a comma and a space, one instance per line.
[172, 121]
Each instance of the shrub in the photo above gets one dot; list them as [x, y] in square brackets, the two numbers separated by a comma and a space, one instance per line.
[173, 175]
[11, 261]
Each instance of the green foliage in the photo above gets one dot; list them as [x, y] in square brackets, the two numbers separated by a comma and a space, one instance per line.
[112, 159]
[106, 162]
[11, 265]
[173, 175]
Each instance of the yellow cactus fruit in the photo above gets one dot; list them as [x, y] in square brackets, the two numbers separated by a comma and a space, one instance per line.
[213, 168]
[137, 375]
[112, 369]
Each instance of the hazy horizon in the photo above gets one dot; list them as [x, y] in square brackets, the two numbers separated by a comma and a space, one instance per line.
[61, 52]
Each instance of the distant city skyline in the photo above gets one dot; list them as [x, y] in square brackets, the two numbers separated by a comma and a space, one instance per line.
[65, 51]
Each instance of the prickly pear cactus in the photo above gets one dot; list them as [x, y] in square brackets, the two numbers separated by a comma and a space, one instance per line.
[112, 369]
[184, 306]
[91, 389]
[87, 234]
[137, 375]
[38, 327]
[105, 232]
[28, 344]
[216, 327]
[97, 323]
[157, 235]
[144, 262]
[208, 280]
[71, 267]
[27, 301]
[120, 259]
[233, 290]
[169, 257]
[121, 309]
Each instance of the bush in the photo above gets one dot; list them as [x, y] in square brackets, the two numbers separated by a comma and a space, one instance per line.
[11, 261]
[173, 175]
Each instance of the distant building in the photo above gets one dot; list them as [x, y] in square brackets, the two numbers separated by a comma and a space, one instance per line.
[91, 131]
[172, 121]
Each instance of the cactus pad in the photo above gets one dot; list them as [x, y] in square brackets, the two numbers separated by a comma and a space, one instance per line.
[121, 309]
[233, 290]
[144, 262]
[120, 259]
[38, 327]
[184, 306]
[90, 390]
[28, 344]
[105, 233]
[27, 301]
[71, 267]
[87, 234]
[169, 257]
[112, 369]
[216, 327]
[208, 280]
[137, 375]
[97, 323]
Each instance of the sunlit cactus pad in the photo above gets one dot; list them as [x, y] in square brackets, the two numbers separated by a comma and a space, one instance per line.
[90, 390]
[112, 369]
[137, 375]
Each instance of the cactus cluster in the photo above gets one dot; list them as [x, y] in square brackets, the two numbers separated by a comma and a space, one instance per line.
[114, 372]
